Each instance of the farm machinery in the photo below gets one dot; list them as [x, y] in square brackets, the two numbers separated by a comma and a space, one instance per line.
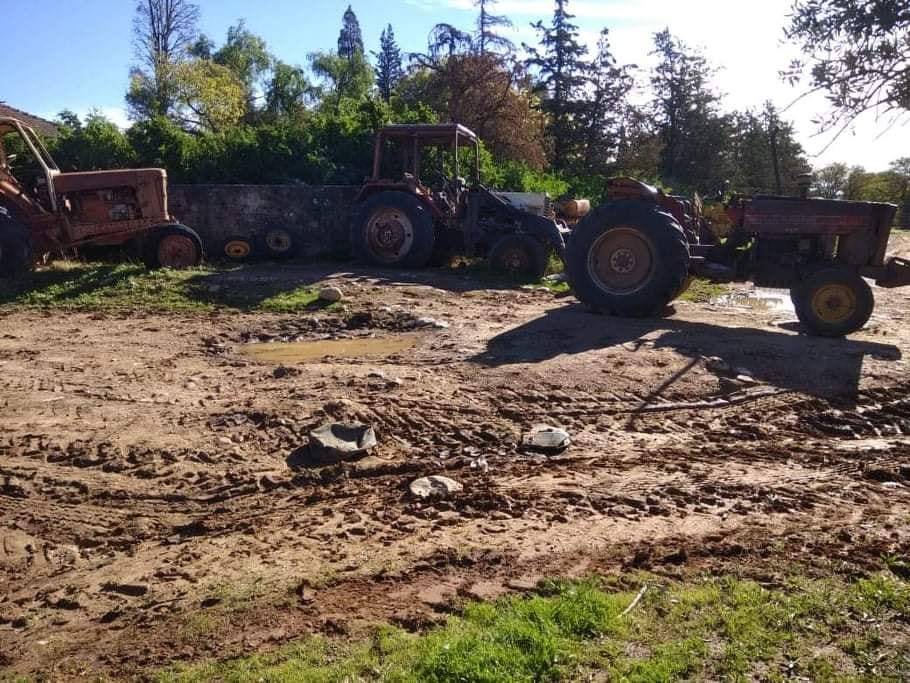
[43, 210]
[416, 207]
[636, 252]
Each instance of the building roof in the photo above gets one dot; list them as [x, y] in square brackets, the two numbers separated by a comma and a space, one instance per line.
[41, 126]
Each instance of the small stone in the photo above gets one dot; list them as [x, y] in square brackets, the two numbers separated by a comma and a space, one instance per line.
[431, 322]
[434, 486]
[546, 438]
[133, 590]
[331, 294]
[334, 442]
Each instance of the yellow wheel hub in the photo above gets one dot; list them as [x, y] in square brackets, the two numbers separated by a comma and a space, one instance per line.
[834, 303]
[237, 249]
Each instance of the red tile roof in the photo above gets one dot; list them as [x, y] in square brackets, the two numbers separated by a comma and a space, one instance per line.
[42, 126]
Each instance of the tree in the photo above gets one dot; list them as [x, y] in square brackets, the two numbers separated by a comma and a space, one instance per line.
[692, 132]
[444, 41]
[487, 38]
[388, 64]
[247, 56]
[342, 77]
[604, 113]
[163, 31]
[350, 39]
[288, 90]
[562, 75]
[764, 155]
[90, 146]
[207, 96]
[858, 51]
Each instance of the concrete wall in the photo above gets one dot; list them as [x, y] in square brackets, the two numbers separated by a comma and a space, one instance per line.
[318, 215]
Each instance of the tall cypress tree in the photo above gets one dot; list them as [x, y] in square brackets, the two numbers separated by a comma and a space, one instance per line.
[388, 64]
[562, 73]
[350, 39]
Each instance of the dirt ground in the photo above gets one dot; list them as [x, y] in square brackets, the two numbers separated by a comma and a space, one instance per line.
[156, 504]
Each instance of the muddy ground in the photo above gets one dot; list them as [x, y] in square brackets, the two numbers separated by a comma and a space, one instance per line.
[157, 505]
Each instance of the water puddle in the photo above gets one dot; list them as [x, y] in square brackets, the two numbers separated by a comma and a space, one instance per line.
[304, 351]
[759, 299]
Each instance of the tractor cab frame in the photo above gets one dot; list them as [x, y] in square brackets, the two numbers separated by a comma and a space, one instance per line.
[417, 207]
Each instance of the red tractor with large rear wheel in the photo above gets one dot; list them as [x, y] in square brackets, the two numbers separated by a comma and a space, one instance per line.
[417, 207]
[636, 252]
[43, 210]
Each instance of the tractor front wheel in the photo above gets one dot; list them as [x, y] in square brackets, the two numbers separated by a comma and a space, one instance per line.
[520, 256]
[15, 247]
[172, 246]
[833, 302]
[393, 229]
[627, 258]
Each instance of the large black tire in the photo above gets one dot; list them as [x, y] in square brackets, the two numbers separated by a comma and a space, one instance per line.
[833, 302]
[172, 246]
[627, 258]
[392, 229]
[15, 247]
[520, 256]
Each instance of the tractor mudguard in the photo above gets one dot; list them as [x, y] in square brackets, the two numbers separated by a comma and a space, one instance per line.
[546, 230]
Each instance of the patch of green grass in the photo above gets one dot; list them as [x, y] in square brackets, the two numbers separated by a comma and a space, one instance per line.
[131, 287]
[701, 291]
[709, 628]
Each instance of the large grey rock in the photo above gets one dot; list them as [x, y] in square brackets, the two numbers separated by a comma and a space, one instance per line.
[331, 294]
[337, 441]
[434, 486]
[547, 439]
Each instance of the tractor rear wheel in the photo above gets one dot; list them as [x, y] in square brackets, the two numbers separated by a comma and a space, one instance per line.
[833, 302]
[393, 229]
[520, 256]
[627, 258]
[15, 247]
[172, 246]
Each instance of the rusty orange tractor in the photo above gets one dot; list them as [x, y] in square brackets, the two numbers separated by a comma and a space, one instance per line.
[43, 210]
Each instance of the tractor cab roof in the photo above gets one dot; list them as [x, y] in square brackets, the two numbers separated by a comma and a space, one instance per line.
[432, 134]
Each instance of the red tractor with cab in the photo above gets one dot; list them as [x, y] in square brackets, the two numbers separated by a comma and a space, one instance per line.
[416, 207]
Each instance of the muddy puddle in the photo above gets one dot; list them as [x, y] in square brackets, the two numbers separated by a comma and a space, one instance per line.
[305, 351]
[759, 299]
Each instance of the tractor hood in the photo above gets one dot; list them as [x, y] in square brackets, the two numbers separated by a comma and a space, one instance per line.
[85, 181]
[149, 185]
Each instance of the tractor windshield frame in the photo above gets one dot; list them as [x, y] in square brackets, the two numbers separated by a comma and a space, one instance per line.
[36, 148]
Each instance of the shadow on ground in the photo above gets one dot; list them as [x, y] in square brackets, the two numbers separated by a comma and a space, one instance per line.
[811, 365]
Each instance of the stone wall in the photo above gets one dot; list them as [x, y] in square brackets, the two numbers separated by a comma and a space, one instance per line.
[318, 216]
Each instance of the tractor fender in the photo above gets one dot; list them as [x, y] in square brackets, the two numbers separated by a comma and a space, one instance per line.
[546, 230]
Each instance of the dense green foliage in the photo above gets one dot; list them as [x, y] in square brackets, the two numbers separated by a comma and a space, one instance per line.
[558, 120]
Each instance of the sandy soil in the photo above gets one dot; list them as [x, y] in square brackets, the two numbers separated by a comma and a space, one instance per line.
[150, 472]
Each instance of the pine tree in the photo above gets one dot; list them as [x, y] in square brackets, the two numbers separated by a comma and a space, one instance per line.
[694, 135]
[604, 113]
[563, 73]
[388, 64]
[350, 39]
[487, 38]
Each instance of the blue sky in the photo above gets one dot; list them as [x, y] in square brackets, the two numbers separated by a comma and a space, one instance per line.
[77, 54]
